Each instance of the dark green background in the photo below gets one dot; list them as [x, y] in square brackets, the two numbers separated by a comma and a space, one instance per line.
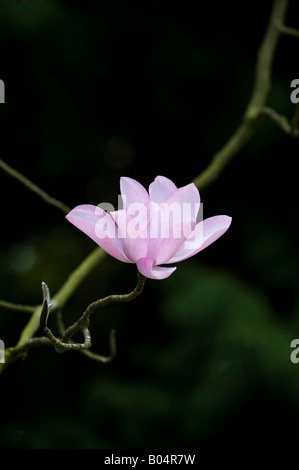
[99, 90]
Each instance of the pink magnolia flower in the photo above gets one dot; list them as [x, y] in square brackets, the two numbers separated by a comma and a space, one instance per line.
[153, 228]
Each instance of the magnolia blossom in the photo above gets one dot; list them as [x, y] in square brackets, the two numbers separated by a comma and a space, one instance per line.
[154, 227]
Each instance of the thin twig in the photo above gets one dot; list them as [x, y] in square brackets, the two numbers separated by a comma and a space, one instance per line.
[64, 294]
[19, 352]
[34, 188]
[281, 121]
[82, 324]
[77, 326]
[61, 346]
[257, 101]
[17, 307]
[104, 359]
[59, 322]
[289, 31]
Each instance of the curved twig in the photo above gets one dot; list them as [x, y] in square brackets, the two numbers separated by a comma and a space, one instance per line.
[257, 101]
[34, 188]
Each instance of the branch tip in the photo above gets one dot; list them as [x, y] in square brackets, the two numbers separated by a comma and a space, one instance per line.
[44, 315]
[46, 306]
[288, 30]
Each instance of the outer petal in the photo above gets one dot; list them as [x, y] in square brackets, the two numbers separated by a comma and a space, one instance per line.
[165, 235]
[100, 227]
[205, 233]
[145, 267]
[186, 199]
[132, 192]
[130, 231]
[170, 245]
[161, 188]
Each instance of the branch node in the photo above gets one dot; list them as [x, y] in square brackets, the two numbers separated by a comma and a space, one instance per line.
[281, 121]
[288, 31]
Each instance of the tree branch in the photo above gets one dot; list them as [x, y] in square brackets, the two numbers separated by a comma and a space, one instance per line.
[255, 109]
[64, 294]
[61, 345]
[281, 121]
[104, 359]
[34, 188]
[257, 101]
[84, 319]
[19, 352]
[17, 307]
[289, 31]
[82, 325]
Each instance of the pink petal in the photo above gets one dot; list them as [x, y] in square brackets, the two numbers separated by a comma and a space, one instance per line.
[135, 248]
[160, 189]
[99, 226]
[131, 232]
[186, 199]
[132, 192]
[154, 230]
[165, 230]
[206, 232]
[145, 267]
[170, 245]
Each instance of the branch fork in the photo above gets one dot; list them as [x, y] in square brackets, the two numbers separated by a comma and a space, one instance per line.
[82, 325]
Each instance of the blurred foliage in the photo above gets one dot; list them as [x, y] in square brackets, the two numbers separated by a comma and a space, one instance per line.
[97, 90]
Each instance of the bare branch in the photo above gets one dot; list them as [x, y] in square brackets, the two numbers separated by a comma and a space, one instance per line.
[59, 322]
[34, 188]
[17, 307]
[61, 346]
[257, 101]
[82, 325]
[104, 359]
[281, 121]
[64, 294]
[289, 31]
[77, 326]
[19, 352]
